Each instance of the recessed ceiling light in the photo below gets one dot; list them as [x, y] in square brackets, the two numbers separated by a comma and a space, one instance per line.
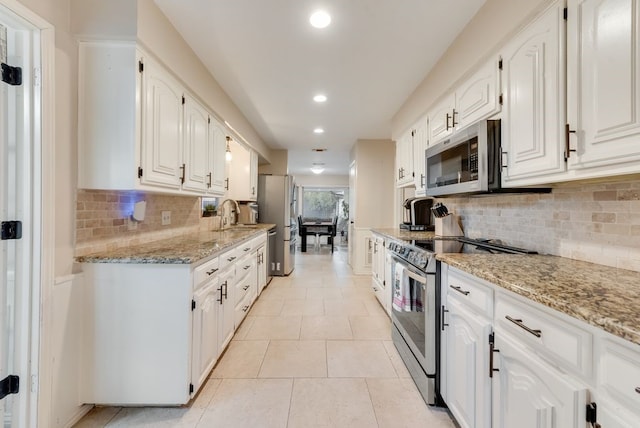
[318, 131]
[317, 168]
[320, 19]
[320, 98]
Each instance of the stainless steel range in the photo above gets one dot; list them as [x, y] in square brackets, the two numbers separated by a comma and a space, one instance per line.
[415, 311]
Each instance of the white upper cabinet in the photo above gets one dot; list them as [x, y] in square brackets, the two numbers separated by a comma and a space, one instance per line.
[604, 86]
[474, 99]
[533, 79]
[420, 141]
[404, 160]
[441, 119]
[162, 136]
[217, 174]
[477, 97]
[241, 184]
[196, 146]
[139, 129]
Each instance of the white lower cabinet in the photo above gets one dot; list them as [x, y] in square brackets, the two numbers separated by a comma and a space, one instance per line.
[468, 383]
[261, 268]
[204, 344]
[510, 362]
[156, 330]
[530, 392]
[226, 305]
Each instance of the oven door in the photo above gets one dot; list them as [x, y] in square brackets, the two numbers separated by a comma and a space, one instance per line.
[413, 311]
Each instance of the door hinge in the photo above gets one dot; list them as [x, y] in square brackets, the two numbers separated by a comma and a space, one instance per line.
[492, 349]
[592, 415]
[11, 230]
[500, 99]
[140, 66]
[193, 305]
[11, 75]
[500, 64]
[9, 385]
[139, 172]
[565, 13]
[183, 100]
[190, 388]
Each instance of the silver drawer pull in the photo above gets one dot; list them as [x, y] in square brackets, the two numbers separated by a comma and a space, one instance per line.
[230, 259]
[247, 267]
[246, 249]
[638, 389]
[212, 271]
[518, 322]
[459, 290]
[244, 309]
[246, 287]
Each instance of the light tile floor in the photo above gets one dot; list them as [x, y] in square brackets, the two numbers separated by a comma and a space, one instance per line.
[314, 351]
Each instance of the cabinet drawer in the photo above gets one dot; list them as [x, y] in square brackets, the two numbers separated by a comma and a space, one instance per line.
[205, 271]
[228, 258]
[567, 345]
[470, 292]
[241, 310]
[246, 247]
[619, 373]
[245, 285]
[245, 264]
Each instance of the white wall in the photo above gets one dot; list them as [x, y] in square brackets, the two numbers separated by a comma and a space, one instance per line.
[322, 180]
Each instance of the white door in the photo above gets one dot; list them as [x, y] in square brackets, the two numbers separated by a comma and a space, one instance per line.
[196, 141]
[477, 97]
[16, 174]
[441, 120]
[217, 164]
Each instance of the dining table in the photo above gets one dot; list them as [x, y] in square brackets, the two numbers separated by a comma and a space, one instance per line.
[317, 229]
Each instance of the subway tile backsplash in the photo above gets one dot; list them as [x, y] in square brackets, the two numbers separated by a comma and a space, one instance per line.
[594, 222]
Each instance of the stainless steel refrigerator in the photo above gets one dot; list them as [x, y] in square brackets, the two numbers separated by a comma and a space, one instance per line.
[277, 204]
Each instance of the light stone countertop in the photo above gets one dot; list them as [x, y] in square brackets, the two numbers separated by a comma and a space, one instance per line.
[602, 296]
[186, 249]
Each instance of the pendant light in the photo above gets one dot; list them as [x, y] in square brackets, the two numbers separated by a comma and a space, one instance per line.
[227, 154]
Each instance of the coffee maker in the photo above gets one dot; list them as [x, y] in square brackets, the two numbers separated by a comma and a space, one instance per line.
[417, 214]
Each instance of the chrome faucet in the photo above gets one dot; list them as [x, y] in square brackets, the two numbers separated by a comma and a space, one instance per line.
[229, 218]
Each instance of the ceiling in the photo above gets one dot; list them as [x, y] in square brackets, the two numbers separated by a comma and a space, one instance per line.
[271, 62]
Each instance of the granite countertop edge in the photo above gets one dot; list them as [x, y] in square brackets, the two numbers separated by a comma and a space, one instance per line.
[191, 248]
[602, 296]
[613, 310]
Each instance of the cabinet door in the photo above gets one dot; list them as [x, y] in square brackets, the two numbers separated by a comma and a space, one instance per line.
[468, 384]
[226, 303]
[441, 120]
[530, 393]
[239, 173]
[196, 142]
[533, 120]
[253, 175]
[604, 83]
[204, 346]
[161, 155]
[420, 138]
[262, 268]
[477, 97]
[217, 167]
[404, 164]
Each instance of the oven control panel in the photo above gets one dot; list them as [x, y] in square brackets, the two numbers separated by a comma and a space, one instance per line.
[416, 257]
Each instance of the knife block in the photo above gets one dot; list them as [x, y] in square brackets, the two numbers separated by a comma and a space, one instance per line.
[448, 226]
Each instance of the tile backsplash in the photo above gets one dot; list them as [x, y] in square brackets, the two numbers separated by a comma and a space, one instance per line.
[594, 222]
[103, 219]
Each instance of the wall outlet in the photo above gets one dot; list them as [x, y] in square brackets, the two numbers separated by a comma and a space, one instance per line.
[166, 218]
[131, 224]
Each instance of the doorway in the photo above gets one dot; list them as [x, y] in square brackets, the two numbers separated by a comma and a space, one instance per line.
[21, 168]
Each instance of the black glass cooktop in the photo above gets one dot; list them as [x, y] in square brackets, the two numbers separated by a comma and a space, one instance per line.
[467, 245]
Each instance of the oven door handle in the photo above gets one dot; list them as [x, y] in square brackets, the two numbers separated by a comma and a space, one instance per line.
[419, 278]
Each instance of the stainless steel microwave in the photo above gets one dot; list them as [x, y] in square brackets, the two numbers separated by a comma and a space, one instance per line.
[469, 163]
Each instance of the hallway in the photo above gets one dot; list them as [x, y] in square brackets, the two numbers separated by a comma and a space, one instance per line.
[314, 351]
